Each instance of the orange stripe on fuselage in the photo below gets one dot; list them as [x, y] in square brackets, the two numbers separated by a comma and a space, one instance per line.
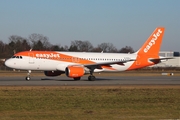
[52, 55]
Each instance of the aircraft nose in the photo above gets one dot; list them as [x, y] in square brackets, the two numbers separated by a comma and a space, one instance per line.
[9, 63]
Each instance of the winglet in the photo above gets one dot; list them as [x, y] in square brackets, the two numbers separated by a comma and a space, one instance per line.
[153, 43]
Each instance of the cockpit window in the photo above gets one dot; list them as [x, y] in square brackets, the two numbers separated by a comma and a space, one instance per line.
[18, 57]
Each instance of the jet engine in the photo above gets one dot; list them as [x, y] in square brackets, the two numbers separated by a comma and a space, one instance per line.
[53, 73]
[74, 71]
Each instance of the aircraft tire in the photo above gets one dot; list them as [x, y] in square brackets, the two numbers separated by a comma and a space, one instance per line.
[28, 78]
[91, 78]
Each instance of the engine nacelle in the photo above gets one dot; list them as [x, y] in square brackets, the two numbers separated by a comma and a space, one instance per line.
[74, 71]
[53, 73]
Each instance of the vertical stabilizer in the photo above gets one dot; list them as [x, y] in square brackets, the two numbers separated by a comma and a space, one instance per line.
[148, 54]
[153, 43]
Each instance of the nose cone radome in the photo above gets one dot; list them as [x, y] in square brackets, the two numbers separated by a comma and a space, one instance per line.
[9, 63]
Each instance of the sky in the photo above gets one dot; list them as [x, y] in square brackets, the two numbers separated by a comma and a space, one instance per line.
[120, 22]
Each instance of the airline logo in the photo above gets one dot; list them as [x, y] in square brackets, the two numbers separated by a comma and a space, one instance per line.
[153, 40]
[51, 55]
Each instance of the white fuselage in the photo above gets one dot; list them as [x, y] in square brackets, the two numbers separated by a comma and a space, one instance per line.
[46, 63]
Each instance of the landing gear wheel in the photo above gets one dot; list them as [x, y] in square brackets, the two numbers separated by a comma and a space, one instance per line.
[91, 78]
[28, 75]
[77, 78]
[28, 78]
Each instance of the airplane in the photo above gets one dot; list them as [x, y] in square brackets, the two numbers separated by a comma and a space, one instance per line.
[77, 64]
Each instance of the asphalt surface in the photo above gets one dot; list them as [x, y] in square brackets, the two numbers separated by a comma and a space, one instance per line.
[101, 80]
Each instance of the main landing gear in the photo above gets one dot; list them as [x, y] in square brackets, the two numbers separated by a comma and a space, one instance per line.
[91, 77]
[28, 75]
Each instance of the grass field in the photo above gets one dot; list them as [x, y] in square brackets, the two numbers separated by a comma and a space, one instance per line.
[89, 103]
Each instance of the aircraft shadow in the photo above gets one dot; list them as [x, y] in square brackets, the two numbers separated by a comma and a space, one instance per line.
[97, 79]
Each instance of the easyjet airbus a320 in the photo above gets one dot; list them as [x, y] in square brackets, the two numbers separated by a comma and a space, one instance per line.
[77, 64]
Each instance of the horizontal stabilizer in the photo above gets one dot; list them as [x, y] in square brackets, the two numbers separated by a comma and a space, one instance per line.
[158, 60]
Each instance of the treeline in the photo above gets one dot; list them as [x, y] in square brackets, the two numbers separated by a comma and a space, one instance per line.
[41, 42]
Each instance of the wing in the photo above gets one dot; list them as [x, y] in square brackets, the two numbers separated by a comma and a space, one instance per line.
[108, 64]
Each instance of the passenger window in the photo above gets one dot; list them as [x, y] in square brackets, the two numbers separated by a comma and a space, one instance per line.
[17, 57]
[20, 57]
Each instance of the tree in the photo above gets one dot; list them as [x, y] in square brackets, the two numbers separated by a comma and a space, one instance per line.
[106, 47]
[1, 46]
[18, 43]
[73, 48]
[83, 46]
[26, 45]
[2, 49]
[39, 42]
[127, 49]
[58, 48]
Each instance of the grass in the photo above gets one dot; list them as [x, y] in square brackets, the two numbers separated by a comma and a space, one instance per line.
[89, 103]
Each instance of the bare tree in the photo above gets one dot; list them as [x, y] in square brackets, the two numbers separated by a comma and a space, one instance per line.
[66, 48]
[39, 42]
[2, 49]
[96, 49]
[58, 48]
[127, 49]
[83, 46]
[1, 46]
[107, 47]
[18, 43]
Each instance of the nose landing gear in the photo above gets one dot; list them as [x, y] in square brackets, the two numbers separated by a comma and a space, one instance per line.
[28, 75]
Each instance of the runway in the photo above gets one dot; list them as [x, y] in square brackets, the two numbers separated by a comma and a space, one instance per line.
[101, 81]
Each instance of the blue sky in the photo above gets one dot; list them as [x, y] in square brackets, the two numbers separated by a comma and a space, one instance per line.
[121, 22]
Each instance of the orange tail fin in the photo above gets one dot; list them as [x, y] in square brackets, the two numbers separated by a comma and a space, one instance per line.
[149, 51]
[153, 43]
